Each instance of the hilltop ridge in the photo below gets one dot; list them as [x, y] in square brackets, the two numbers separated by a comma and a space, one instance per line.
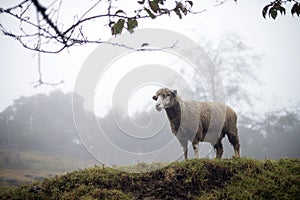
[192, 179]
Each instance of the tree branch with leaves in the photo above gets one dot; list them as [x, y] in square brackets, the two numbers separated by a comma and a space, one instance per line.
[278, 6]
[48, 33]
[38, 26]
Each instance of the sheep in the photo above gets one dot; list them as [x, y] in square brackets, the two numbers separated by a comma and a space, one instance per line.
[199, 122]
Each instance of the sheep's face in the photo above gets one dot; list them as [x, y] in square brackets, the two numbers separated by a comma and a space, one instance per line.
[165, 98]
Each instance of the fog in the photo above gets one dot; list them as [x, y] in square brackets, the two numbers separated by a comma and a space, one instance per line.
[246, 62]
[44, 123]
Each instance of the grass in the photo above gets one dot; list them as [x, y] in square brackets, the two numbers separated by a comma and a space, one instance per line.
[17, 167]
[10, 177]
[192, 179]
[38, 160]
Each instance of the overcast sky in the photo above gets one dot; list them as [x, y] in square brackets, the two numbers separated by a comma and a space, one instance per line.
[278, 41]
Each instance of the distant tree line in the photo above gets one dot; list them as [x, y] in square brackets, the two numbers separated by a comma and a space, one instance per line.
[41, 122]
[45, 123]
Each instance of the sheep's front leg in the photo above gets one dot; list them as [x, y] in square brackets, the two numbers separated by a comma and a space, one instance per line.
[184, 145]
[196, 148]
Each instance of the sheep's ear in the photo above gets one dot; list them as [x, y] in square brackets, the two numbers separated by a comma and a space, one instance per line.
[154, 98]
[175, 92]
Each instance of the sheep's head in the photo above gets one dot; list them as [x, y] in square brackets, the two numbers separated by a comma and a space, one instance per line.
[165, 98]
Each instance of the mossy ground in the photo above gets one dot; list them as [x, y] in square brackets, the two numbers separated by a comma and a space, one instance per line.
[192, 179]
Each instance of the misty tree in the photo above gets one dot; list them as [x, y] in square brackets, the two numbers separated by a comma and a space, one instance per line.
[282, 131]
[42, 122]
[3, 136]
[235, 66]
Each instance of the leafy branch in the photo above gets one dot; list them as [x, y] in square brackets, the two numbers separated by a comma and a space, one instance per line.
[48, 34]
[277, 6]
[55, 35]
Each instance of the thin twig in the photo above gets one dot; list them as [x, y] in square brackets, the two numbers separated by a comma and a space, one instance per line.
[17, 6]
[40, 80]
[219, 3]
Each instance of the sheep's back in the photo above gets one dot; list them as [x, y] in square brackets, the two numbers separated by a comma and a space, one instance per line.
[215, 115]
[200, 117]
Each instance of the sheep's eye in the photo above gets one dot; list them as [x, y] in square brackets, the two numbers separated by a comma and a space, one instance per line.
[168, 94]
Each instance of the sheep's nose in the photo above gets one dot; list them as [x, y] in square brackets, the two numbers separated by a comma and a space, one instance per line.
[158, 107]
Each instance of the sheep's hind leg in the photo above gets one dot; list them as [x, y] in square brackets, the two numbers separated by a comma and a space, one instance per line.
[237, 150]
[234, 140]
[196, 148]
[219, 148]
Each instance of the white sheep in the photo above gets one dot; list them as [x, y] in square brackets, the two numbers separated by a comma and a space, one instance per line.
[199, 122]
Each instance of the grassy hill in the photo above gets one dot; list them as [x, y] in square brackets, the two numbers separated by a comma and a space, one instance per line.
[192, 179]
